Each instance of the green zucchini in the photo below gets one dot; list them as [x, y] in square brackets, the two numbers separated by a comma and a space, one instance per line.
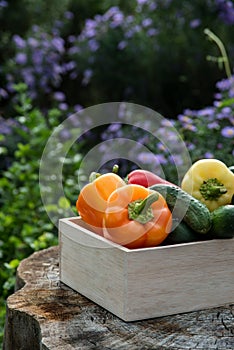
[223, 222]
[182, 233]
[184, 206]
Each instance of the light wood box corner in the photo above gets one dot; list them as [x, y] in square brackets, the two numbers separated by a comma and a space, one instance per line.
[146, 283]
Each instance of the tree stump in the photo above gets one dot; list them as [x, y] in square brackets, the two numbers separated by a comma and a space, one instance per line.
[44, 314]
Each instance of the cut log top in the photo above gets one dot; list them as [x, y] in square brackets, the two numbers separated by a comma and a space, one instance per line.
[45, 314]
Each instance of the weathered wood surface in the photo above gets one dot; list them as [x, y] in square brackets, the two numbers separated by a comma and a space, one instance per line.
[45, 314]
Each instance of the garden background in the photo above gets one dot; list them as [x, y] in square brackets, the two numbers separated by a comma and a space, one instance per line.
[58, 57]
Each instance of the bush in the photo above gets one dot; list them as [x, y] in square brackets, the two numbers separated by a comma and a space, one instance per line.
[24, 223]
[207, 133]
[154, 55]
[130, 54]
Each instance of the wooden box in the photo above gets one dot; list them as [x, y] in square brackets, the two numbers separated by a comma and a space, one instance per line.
[145, 283]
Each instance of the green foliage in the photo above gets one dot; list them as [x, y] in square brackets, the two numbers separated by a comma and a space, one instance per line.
[24, 223]
[159, 55]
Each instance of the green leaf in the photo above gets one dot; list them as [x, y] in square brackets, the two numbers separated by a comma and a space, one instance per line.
[14, 263]
[226, 102]
[64, 203]
[3, 150]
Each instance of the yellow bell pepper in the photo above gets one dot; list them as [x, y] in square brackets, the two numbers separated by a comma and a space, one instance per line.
[211, 182]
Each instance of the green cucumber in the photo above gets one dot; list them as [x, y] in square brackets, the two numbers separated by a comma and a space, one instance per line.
[195, 214]
[222, 220]
[182, 233]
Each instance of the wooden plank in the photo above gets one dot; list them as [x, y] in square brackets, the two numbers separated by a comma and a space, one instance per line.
[180, 278]
[145, 283]
[45, 314]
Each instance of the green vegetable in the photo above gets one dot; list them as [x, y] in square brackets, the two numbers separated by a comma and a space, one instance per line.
[196, 214]
[182, 234]
[222, 220]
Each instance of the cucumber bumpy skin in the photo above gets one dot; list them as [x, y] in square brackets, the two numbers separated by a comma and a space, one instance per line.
[196, 214]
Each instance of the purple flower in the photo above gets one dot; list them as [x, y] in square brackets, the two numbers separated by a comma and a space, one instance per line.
[190, 146]
[87, 76]
[74, 50]
[152, 32]
[3, 93]
[114, 127]
[89, 29]
[58, 44]
[142, 2]
[3, 4]
[117, 20]
[59, 96]
[176, 159]
[21, 58]
[208, 155]
[93, 45]
[226, 11]
[63, 106]
[33, 42]
[35, 28]
[187, 123]
[71, 38]
[37, 57]
[5, 126]
[73, 75]
[122, 44]
[78, 108]
[20, 43]
[208, 111]
[65, 134]
[68, 15]
[228, 131]
[153, 6]
[150, 158]
[216, 104]
[231, 93]
[69, 66]
[225, 84]
[184, 119]
[147, 22]
[218, 96]
[195, 23]
[213, 125]
[190, 127]
[226, 110]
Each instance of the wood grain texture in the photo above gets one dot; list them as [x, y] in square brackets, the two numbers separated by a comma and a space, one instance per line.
[45, 314]
[145, 283]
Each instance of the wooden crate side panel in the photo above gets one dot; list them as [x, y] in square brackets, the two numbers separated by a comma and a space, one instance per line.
[180, 279]
[92, 268]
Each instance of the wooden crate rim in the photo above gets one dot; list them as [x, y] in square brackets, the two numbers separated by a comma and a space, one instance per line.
[72, 222]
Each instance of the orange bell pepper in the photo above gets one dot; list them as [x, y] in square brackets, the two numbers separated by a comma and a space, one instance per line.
[136, 217]
[92, 201]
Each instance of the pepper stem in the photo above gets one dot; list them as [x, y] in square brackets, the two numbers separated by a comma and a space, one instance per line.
[140, 210]
[93, 176]
[115, 169]
[212, 189]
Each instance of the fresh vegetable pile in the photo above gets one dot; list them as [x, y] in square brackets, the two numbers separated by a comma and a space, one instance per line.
[145, 210]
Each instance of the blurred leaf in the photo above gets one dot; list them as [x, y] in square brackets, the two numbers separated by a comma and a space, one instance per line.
[64, 203]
